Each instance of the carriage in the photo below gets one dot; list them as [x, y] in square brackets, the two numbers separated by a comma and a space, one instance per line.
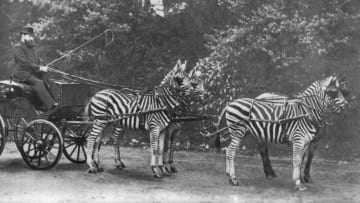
[42, 138]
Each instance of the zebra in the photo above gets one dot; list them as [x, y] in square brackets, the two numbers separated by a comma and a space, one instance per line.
[167, 97]
[309, 154]
[285, 120]
[174, 128]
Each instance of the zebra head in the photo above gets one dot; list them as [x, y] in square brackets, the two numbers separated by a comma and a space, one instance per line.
[178, 80]
[198, 89]
[335, 91]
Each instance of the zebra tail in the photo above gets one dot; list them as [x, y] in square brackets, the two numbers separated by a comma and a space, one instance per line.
[217, 139]
[87, 112]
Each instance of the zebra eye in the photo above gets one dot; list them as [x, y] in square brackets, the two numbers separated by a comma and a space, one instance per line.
[332, 94]
[194, 85]
[179, 81]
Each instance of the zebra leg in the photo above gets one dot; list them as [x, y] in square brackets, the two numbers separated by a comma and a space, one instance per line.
[237, 133]
[230, 156]
[97, 147]
[117, 133]
[171, 154]
[310, 155]
[154, 136]
[172, 131]
[298, 155]
[91, 146]
[268, 170]
[161, 153]
[168, 134]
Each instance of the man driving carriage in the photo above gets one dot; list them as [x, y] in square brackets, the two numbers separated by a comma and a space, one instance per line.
[27, 70]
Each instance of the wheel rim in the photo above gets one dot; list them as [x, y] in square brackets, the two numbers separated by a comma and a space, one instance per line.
[41, 144]
[2, 134]
[74, 143]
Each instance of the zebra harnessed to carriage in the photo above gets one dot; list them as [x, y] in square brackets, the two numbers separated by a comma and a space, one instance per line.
[174, 128]
[166, 98]
[297, 121]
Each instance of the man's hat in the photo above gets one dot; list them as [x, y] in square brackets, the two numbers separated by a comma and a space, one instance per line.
[27, 30]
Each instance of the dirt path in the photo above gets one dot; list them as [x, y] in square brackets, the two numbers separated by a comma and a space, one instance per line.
[201, 178]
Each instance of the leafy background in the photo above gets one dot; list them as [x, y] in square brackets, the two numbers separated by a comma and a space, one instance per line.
[243, 47]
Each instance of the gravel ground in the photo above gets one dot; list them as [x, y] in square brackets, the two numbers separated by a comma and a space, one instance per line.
[201, 178]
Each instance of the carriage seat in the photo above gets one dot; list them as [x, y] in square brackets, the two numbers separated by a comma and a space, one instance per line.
[14, 89]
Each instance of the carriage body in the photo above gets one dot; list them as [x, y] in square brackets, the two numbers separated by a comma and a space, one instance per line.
[41, 139]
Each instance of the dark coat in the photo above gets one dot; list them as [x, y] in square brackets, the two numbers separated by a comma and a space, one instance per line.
[26, 62]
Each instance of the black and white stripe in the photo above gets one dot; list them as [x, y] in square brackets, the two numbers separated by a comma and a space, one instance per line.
[113, 103]
[174, 128]
[273, 119]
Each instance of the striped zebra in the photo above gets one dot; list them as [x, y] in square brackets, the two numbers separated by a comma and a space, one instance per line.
[174, 128]
[167, 96]
[285, 120]
[309, 154]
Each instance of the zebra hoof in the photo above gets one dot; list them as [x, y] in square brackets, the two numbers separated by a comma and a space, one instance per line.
[164, 170]
[270, 176]
[300, 187]
[234, 182]
[120, 165]
[92, 170]
[156, 175]
[155, 172]
[100, 169]
[173, 169]
[306, 179]
[169, 171]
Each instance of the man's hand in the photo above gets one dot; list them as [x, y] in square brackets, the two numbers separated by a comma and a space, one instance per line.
[44, 68]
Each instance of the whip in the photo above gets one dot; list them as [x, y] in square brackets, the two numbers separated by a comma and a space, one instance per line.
[105, 33]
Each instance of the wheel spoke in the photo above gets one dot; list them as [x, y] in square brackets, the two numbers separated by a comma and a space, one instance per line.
[78, 153]
[29, 145]
[30, 136]
[83, 149]
[52, 154]
[47, 160]
[73, 150]
[72, 134]
[68, 139]
[39, 161]
[35, 153]
[85, 132]
[47, 134]
[71, 144]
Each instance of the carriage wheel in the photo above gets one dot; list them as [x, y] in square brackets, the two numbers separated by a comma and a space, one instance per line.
[41, 144]
[2, 134]
[20, 125]
[75, 142]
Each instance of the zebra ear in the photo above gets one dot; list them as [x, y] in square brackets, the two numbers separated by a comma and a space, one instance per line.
[177, 66]
[178, 62]
[191, 73]
[327, 82]
[183, 66]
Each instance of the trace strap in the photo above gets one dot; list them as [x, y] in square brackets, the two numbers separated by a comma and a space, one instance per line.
[86, 80]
